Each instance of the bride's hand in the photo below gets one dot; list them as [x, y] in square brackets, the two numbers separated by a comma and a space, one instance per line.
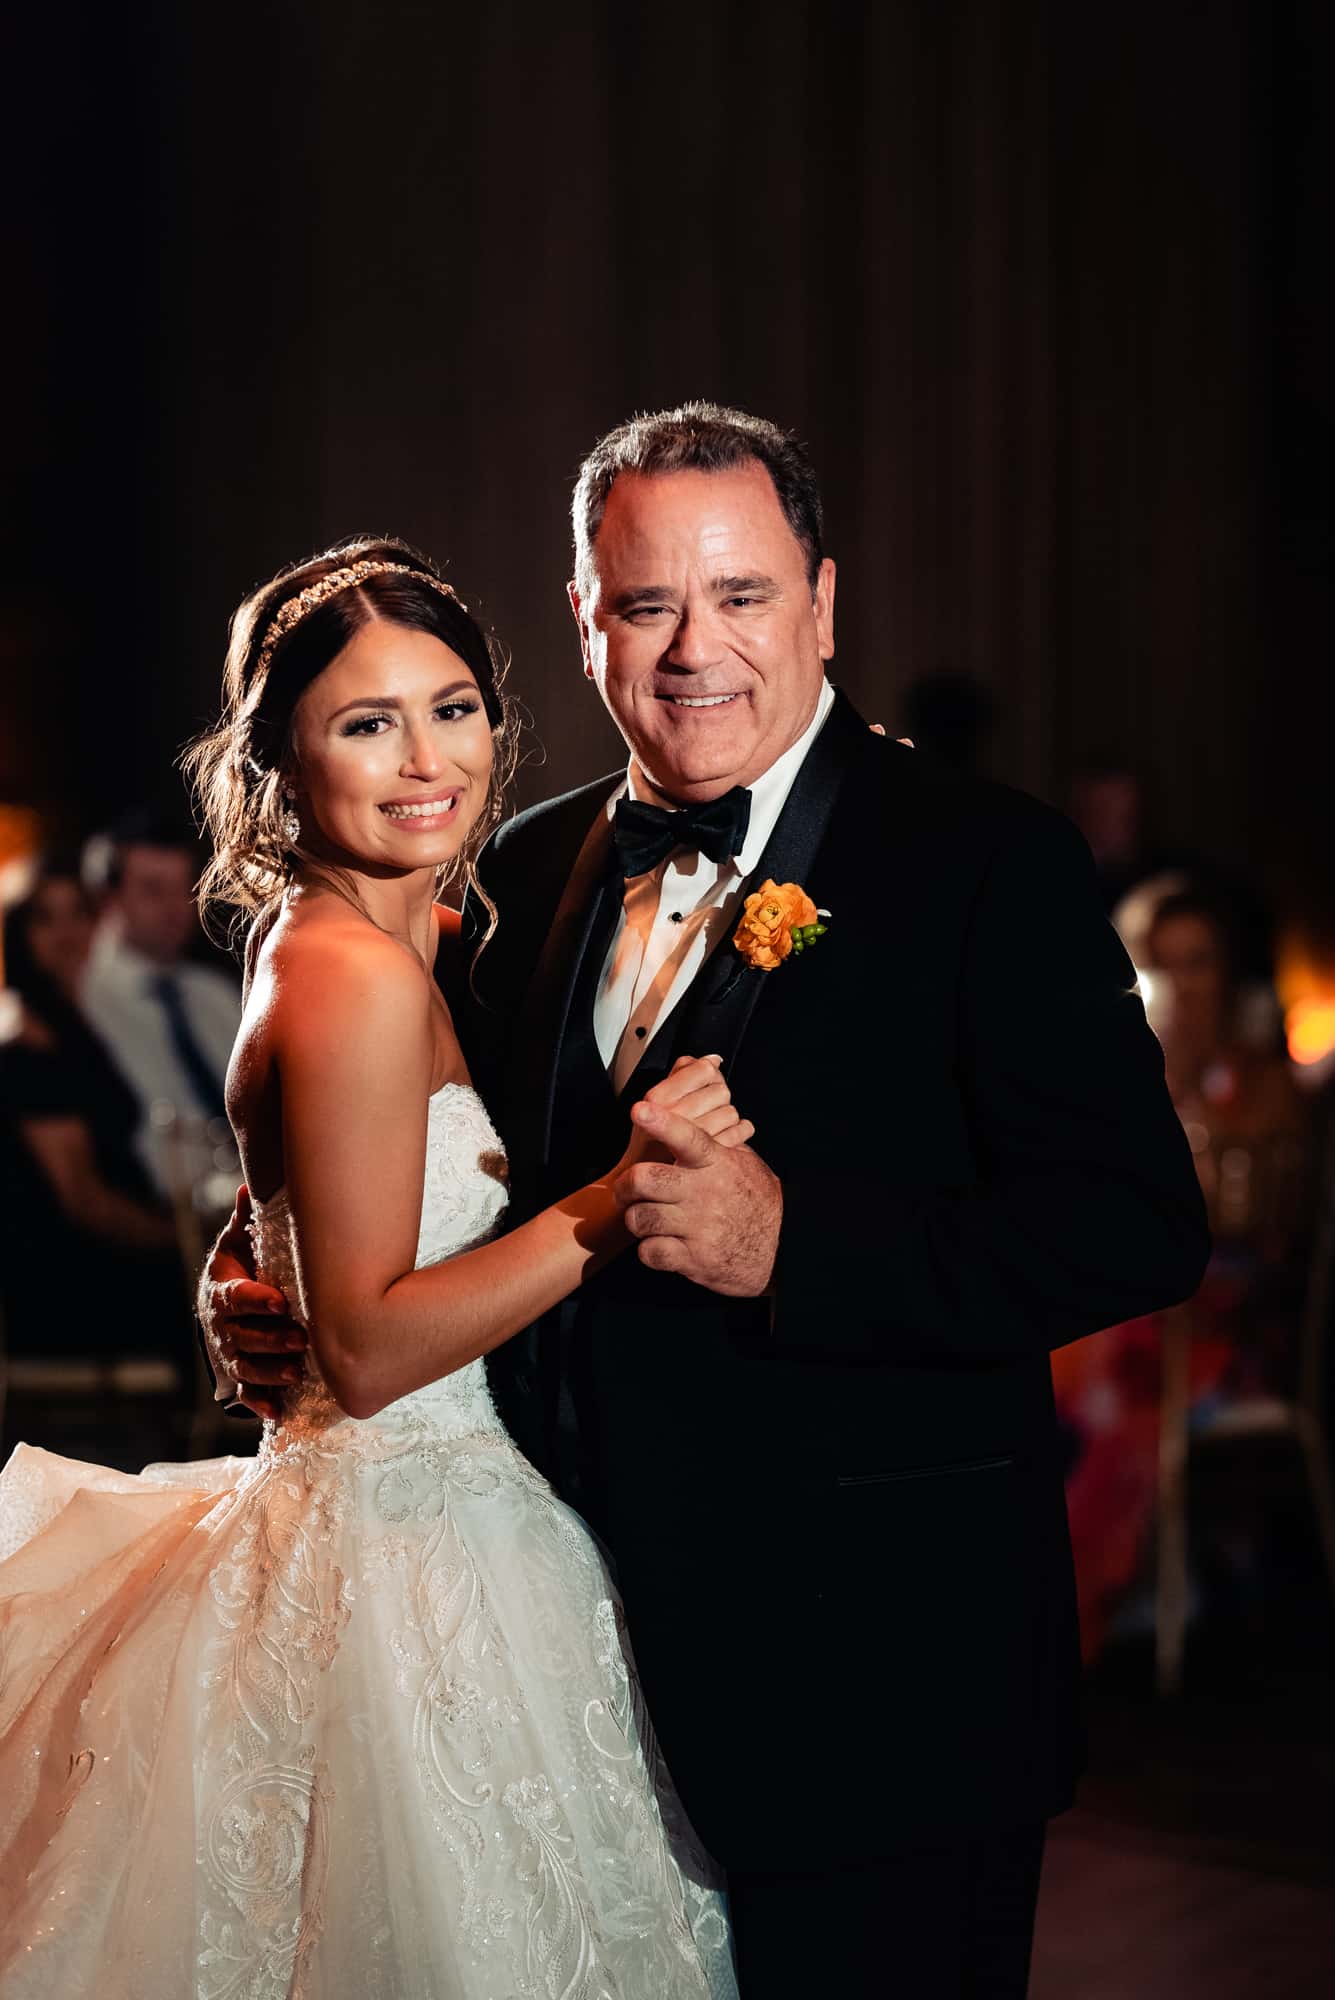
[694, 1088]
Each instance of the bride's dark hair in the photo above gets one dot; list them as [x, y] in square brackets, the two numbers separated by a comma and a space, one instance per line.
[276, 649]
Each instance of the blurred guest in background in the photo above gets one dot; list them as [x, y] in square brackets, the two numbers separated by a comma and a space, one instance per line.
[1247, 1128]
[169, 1023]
[1241, 1109]
[1107, 804]
[1107, 800]
[74, 1193]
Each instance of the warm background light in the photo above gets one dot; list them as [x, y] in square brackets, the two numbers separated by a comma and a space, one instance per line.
[1310, 1027]
[1305, 982]
[19, 835]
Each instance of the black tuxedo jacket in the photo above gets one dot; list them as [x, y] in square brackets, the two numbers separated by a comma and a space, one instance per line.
[837, 1512]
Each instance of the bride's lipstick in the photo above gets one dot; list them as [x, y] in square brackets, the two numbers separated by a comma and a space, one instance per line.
[423, 812]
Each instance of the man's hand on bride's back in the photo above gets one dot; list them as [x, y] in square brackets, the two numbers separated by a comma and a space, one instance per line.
[253, 1342]
[695, 1089]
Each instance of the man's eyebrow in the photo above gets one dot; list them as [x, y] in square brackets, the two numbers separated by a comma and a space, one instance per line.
[640, 593]
[392, 700]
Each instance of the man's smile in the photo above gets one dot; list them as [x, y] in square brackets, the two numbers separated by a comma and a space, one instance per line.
[700, 700]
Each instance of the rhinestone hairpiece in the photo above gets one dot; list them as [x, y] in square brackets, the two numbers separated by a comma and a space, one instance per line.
[296, 608]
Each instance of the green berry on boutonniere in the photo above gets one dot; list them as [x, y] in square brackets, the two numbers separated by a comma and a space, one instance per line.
[778, 921]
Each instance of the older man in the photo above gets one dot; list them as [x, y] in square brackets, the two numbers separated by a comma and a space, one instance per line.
[814, 1420]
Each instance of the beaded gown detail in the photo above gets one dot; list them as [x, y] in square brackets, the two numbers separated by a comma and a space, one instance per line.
[351, 1720]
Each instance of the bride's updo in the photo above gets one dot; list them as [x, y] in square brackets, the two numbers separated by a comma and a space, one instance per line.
[282, 637]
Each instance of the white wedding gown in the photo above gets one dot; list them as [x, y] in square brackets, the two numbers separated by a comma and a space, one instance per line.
[351, 1720]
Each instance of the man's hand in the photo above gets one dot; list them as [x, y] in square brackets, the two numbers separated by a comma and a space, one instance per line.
[712, 1213]
[254, 1345]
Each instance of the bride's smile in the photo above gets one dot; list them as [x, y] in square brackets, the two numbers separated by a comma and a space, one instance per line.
[392, 753]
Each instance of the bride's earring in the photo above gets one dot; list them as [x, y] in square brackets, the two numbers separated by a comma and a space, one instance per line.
[291, 824]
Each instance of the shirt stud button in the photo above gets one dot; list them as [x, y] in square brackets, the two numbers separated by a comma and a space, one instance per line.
[640, 1033]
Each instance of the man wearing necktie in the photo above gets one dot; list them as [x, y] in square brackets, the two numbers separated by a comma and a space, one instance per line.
[813, 1417]
[168, 1022]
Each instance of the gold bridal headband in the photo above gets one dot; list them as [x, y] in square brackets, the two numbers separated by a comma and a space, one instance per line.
[296, 608]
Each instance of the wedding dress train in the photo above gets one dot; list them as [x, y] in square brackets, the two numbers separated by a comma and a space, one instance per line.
[350, 1719]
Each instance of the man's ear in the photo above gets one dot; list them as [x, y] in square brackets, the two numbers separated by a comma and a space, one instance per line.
[822, 601]
[577, 608]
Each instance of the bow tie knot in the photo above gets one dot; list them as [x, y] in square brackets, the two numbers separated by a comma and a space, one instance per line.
[646, 835]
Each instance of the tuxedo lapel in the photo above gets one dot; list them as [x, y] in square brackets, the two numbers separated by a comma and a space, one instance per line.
[545, 1013]
[717, 1009]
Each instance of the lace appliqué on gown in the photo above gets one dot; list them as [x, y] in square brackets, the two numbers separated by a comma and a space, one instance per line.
[352, 1718]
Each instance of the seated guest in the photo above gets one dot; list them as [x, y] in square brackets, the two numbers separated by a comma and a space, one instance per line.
[1247, 1128]
[1239, 1104]
[169, 1023]
[72, 1188]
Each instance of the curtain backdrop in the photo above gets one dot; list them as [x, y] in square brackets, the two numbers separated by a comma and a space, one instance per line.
[304, 272]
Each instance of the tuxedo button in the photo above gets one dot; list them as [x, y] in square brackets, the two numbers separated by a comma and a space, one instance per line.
[640, 1034]
[677, 917]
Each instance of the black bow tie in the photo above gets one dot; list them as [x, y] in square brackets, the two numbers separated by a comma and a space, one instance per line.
[645, 835]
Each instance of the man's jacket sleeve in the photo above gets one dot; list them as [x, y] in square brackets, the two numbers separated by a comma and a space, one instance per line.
[1083, 1209]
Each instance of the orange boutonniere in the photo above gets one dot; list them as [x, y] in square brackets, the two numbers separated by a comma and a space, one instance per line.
[777, 920]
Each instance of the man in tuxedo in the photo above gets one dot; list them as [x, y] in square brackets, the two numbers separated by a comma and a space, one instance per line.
[813, 1416]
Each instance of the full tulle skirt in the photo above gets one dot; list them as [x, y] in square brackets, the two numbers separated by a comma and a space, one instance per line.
[351, 1719]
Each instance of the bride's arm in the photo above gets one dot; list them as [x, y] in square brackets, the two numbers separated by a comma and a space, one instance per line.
[355, 1071]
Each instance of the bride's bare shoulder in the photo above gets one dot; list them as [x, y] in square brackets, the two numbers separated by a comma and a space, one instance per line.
[323, 971]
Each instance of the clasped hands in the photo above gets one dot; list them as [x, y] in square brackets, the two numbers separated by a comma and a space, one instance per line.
[698, 1200]
[692, 1193]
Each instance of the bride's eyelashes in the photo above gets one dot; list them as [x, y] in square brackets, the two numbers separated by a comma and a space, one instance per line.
[448, 711]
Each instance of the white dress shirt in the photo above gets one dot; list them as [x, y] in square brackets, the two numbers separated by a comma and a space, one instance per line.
[120, 1001]
[672, 917]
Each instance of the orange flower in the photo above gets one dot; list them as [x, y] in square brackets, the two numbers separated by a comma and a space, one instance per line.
[764, 937]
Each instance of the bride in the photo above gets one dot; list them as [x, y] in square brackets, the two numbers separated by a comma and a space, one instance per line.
[354, 1718]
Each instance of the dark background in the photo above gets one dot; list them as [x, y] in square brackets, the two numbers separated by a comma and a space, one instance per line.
[1047, 289]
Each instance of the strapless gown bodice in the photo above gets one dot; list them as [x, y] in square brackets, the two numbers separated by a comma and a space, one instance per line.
[464, 1196]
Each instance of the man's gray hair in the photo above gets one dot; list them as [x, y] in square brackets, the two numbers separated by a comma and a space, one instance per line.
[697, 437]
